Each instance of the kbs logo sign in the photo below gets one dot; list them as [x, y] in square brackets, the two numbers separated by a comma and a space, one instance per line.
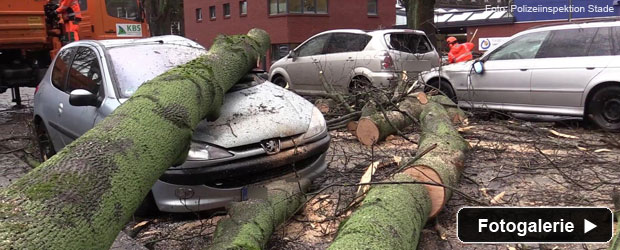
[128, 30]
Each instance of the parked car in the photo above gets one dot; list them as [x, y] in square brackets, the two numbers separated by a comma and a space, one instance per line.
[570, 70]
[263, 133]
[348, 57]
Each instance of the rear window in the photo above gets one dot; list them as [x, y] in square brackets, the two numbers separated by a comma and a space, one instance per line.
[408, 42]
[154, 60]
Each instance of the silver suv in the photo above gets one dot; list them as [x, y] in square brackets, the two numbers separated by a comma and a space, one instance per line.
[348, 57]
[264, 132]
[571, 69]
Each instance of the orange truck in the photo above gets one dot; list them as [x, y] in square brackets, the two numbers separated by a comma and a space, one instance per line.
[31, 34]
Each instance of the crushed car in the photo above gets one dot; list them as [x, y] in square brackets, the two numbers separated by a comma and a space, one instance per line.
[263, 132]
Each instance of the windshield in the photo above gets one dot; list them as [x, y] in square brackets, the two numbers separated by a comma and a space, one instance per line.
[125, 9]
[134, 65]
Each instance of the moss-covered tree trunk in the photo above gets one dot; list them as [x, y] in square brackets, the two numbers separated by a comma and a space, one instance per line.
[82, 197]
[392, 216]
[252, 222]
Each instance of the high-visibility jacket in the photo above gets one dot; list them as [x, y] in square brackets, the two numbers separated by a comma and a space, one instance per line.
[460, 52]
[70, 9]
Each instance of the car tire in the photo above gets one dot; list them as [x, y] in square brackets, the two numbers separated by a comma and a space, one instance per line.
[46, 148]
[280, 81]
[604, 108]
[444, 88]
[148, 207]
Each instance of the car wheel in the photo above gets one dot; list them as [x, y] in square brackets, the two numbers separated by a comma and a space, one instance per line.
[443, 87]
[604, 108]
[280, 81]
[46, 148]
[359, 90]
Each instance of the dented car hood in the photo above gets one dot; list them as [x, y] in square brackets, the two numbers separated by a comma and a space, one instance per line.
[254, 114]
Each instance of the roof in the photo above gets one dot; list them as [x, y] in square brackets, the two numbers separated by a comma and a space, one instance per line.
[458, 18]
[169, 39]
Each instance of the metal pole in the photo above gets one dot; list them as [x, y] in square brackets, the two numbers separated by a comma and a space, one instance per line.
[570, 10]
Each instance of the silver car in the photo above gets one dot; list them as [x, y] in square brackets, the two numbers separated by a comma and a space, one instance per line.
[264, 132]
[349, 57]
[571, 70]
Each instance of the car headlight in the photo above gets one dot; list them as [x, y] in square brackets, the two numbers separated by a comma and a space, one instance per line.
[201, 151]
[317, 124]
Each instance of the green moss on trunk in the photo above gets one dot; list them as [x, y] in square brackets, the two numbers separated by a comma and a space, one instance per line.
[252, 222]
[82, 197]
[391, 217]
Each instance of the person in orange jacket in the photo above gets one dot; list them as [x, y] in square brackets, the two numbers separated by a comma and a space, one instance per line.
[459, 52]
[71, 16]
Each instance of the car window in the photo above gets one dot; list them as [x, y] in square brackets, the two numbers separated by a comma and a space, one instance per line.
[313, 47]
[346, 42]
[601, 43]
[616, 37]
[59, 72]
[154, 59]
[567, 43]
[85, 72]
[521, 47]
[411, 43]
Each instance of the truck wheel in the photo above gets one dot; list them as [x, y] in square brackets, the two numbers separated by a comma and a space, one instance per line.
[443, 87]
[604, 108]
[46, 148]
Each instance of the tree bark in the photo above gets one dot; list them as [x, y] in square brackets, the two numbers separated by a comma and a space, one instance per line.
[252, 222]
[83, 196]
[444, 163]
[390, 217]
[375, 128]
[456, 114]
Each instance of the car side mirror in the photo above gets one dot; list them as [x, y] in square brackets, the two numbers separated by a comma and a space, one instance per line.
[478, 67]
[292, 55]
[82, 97]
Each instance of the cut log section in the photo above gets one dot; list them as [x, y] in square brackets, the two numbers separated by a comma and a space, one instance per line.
[375, 128]
[252, 222]
[444, 164]
[325, 105]
[83, 196]
[456, 114]
[391, 216]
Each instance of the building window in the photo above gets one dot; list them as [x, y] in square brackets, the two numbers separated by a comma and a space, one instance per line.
[226, 8]
[199, 14]
[212, 12]
[297, 7]
[372, 7]
[243, 8]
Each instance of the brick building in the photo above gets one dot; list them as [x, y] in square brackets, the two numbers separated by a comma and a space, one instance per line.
[289, 22]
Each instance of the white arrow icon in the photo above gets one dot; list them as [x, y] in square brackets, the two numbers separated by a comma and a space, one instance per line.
[587, 226]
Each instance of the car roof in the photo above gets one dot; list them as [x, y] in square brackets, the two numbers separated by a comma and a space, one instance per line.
[371, 33]
[168, 39]
[591, 24]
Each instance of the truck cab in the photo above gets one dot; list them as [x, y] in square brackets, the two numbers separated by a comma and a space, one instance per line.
[30, 35]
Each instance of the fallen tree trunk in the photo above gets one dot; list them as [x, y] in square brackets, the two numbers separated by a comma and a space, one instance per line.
[444, 163]
[252, 222]
[83, 196]
[454, 112]
[391, 217]
[375, 126]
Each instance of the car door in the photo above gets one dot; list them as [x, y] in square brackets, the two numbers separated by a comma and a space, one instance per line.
[84, 73]
[53, 95]
[304, 68]
[341, 58]
[507, 73]
[567, 62]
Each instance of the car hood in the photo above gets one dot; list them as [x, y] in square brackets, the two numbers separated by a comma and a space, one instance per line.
[255, 114]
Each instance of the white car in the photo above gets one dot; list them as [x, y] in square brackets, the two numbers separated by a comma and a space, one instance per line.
[570, 70]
